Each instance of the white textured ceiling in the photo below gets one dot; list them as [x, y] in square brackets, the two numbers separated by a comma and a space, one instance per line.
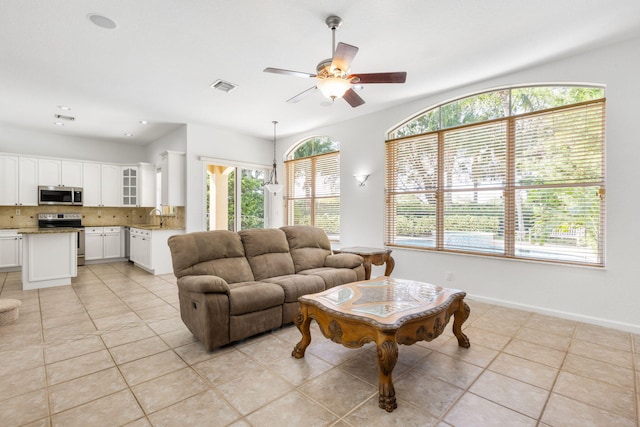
[158, 63]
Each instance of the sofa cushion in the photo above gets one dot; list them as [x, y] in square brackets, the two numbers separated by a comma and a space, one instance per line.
[333, 276]
[217, 253]
[309, 246]
[267, 251]
[247, 297]
[296, 285]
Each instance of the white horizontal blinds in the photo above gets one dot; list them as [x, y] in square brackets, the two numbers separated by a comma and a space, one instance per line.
[410, 188]
[527, 186]
[559, 184]
[562, 146]
[474, 182]
[313, 192]
[327, 193]
[299, 191]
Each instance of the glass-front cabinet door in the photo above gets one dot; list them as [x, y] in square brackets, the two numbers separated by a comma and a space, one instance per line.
[129, 186]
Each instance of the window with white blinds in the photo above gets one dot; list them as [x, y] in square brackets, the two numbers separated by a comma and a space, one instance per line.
[516, 173]
[313, 186]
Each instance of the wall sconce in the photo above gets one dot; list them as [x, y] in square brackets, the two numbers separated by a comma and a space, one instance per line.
[362, 179]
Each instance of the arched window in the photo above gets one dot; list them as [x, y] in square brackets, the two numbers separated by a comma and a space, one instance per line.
[313, 185]
[516, 172]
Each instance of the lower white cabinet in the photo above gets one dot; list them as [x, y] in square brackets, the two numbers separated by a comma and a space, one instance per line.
[140, 247]
[149, 250]
[102, 243]
[10, 249]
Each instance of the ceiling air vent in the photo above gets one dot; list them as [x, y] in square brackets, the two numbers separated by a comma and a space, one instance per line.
[63, 117]
[223, 86]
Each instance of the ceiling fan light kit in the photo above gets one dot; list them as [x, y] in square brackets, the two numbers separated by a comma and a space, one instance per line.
[332, 75]
[333, 87]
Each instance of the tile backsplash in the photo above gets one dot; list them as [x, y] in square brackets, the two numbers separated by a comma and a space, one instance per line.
[91, 216]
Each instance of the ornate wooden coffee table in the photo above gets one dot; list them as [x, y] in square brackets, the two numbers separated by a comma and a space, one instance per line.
[387, 311]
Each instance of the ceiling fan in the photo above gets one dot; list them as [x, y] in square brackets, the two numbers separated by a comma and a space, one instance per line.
[332, 75]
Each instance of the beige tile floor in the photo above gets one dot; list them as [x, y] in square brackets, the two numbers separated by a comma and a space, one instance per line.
[110, 350]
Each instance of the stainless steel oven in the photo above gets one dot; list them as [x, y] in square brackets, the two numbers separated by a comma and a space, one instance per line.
[69, 220]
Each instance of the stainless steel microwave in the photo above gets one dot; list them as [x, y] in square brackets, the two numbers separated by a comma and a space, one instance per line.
[49, 195]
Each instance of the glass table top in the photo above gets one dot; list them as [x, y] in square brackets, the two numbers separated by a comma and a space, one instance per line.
[383, 297]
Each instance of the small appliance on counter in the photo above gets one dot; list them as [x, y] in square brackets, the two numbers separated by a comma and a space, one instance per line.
[58, 220]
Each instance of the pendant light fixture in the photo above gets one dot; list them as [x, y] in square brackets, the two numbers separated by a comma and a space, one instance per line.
[273, 185]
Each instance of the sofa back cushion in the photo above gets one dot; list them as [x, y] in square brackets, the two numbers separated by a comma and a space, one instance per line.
[309, 246]
[267, 251]
[218, 253]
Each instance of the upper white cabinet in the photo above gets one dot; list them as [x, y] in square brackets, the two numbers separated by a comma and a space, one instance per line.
[139, 185]
[173, 183]
[101, 184]
[130, 181]
[19, 181]
[63, 173]
[147, 184]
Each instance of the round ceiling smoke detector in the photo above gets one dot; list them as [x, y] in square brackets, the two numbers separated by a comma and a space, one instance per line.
[101, 21]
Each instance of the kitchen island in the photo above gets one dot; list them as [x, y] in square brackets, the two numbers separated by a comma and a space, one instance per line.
[49, 257]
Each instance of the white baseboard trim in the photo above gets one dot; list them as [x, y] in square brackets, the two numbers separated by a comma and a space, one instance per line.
[627, 327]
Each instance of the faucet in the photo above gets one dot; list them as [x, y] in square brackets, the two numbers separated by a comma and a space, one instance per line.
[156, 210]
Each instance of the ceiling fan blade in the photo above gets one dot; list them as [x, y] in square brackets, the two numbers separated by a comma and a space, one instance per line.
[303, 95]
[398, 77]
[353, 98]
[343, 56]
[288, 72]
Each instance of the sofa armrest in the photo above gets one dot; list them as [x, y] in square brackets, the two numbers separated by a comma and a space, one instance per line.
[343, 261]
[204, 284]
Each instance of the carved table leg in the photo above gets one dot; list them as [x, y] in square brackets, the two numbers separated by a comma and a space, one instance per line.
[459, 317]
[387, 358]
[389, 265]
[367, 269]
[302, 322]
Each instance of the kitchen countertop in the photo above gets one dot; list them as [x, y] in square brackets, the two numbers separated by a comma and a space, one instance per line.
[37, 230]
[154, 227]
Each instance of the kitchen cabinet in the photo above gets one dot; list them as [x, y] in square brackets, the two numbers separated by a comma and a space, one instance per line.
[130, 181]
[64, 173]
[149, 249]
[139, 185]
[19, 177]
[102, 243]
[173, 179]
[101, 184]
[147, 185]
[48, 258]
[10, 249]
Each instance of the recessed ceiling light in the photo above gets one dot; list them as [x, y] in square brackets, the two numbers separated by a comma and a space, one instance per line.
[101, 21]
[58, 123]
[128, 134]
[144, 122]
[64, 107]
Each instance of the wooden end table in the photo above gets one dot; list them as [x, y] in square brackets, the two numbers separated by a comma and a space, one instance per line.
[386, 311]
[375, 256]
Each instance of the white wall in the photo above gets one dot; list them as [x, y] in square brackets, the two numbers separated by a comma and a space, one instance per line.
[173, 141]
[220, 144]
[21, 141]
[609, 296]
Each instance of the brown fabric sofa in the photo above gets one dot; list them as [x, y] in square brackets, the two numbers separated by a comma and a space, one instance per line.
[234, 285]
